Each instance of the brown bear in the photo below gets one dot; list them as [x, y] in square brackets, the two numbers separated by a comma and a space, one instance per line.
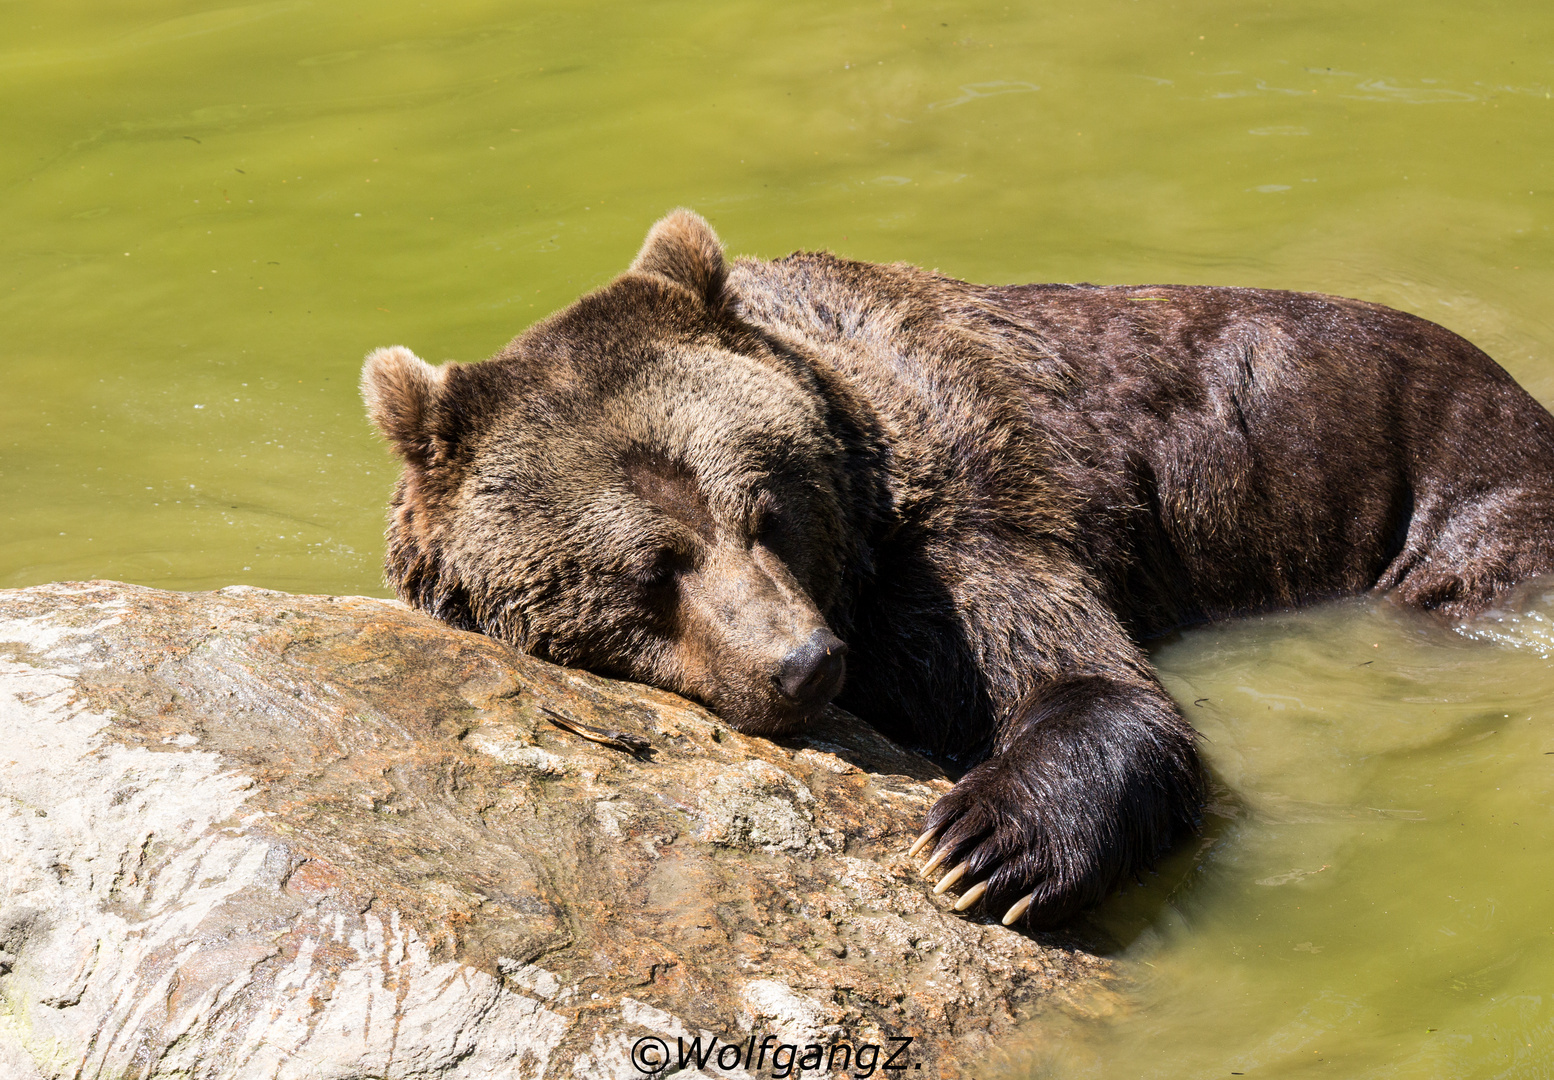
[722, 479]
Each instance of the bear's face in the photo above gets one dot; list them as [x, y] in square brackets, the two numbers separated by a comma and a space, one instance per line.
[635, 486]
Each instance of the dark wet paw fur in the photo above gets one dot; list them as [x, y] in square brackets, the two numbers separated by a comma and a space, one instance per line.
[1094, 783]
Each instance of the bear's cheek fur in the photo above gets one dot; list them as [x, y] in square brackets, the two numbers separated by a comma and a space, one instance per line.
[740, 615]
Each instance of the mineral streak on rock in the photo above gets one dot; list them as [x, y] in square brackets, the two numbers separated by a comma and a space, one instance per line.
[250, 834]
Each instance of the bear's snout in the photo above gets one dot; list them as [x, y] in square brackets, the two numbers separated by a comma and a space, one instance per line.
[812, 674]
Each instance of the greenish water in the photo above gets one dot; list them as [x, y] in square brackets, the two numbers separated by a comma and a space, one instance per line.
[211, 213]
[1372, 896]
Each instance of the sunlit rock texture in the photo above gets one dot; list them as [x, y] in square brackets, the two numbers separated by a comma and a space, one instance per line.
[250, 834]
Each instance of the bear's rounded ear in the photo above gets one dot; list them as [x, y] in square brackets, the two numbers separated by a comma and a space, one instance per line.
[683, 248]
[401, 390]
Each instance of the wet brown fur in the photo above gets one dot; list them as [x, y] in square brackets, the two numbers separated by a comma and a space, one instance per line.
[990, 494]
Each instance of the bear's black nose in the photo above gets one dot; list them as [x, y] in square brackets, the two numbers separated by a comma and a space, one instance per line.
[812, 673]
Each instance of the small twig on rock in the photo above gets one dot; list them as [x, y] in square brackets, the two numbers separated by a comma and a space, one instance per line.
[634, 745]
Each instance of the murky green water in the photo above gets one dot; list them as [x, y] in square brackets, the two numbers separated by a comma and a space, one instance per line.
[210, 213]
[1372, 897]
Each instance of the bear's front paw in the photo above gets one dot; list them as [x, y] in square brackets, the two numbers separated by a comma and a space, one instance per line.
[1023, 849]
[1093, 786]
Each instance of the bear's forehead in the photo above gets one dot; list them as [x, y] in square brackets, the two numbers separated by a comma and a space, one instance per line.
[715, 409]
[697, 437]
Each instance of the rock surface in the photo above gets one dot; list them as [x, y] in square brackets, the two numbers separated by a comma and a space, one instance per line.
[250, 834]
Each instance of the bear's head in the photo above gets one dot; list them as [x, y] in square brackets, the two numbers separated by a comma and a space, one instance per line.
[640, 485]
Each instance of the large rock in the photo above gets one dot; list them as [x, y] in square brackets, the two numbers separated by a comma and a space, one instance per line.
[249, 834]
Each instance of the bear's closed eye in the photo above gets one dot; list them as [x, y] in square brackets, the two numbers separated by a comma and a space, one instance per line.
[660, 569]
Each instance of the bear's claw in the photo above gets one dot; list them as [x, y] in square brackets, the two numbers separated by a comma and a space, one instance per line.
[952, 877]
[971, 896]
[1018, 909]
[975, 893]
[921, 842]
[938, 857]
